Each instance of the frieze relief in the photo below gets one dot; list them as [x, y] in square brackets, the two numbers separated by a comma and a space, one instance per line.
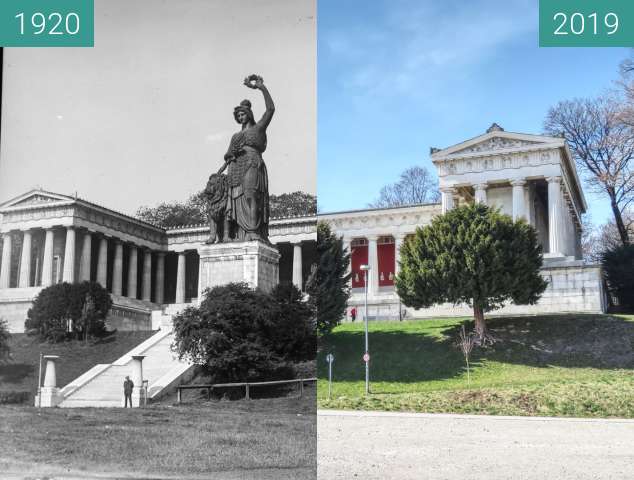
[500, 162]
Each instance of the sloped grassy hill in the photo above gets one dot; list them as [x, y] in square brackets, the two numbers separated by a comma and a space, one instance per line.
[562, 365]
[20, 373]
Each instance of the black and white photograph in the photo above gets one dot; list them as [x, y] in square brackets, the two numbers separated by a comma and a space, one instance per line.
[158, 236]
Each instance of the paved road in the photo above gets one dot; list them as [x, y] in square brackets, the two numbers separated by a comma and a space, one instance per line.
[377, 445]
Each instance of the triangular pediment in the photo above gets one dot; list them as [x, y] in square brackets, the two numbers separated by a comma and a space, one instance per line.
[496, 140]
[495, 143]
[34, 198]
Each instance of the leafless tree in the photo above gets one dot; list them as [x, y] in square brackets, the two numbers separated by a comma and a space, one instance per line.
[416, 185]
[602, 144]
[595, 240]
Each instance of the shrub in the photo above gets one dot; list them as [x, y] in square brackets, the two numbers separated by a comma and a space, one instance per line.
[618, 264]
[14, 397]
[5, 336]
[69, 310]
[241, 334]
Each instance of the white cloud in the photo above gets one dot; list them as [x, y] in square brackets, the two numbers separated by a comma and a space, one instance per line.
[420, 45]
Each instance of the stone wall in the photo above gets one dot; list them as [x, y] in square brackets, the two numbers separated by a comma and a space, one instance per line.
[572, 288]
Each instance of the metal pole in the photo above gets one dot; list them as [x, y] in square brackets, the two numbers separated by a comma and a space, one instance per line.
[39, 384]
[367, 364]
[329, 380]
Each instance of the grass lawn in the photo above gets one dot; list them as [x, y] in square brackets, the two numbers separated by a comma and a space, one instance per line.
[273, 438]
[559, 365]
[21, 372]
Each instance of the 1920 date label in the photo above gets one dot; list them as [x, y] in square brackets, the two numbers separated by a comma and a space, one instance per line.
[47, 23]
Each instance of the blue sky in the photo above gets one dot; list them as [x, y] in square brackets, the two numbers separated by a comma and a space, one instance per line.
[396, 77]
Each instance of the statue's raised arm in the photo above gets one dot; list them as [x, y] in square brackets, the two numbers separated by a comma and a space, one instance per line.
[257, 82]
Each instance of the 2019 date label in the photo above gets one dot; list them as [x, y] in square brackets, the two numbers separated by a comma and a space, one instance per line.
[586, 23]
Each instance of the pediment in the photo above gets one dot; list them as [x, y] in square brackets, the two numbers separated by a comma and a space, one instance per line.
[35, 198]
[497, 141]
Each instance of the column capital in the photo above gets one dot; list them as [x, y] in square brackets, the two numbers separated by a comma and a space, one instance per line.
[161, 254]
[448, 189]
[372, 237]
[519, 182]
[480, 186]
[554, 179]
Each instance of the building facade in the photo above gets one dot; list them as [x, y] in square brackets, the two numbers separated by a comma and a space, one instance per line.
[526, 176]
[49, 238]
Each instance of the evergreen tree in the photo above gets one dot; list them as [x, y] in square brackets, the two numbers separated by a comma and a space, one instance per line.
[472, 254]
[328, 282]
[618, 264]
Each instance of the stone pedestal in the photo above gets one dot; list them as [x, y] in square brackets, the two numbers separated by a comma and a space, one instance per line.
[49, 393]
[256, 263]
[138, 393]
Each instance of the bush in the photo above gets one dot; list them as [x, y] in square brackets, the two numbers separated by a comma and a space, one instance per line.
[5, 351]
[14, 397]
[618, 264]
[67, 310]
[240, 334]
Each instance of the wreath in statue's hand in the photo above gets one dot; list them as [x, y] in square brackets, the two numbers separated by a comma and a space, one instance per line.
[254, 81]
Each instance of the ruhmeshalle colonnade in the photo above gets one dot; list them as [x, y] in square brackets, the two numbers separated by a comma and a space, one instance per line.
[49, 238]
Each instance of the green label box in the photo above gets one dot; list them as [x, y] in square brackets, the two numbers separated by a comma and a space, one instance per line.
[47, 23]
[586, 23]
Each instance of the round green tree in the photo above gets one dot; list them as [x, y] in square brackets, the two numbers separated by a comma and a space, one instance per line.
[472, 254]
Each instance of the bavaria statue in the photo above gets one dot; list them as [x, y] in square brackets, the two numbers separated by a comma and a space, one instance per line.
[238, 202]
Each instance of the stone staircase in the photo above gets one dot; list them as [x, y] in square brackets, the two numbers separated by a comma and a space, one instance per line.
[102, 386]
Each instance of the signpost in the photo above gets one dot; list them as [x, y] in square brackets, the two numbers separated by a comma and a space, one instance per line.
[330, 358]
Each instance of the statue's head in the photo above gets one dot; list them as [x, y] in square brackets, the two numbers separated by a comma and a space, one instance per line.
[243, 113]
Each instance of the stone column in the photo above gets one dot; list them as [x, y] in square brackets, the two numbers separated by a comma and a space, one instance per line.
[47, 264]
[555, 216]
[180, 278]
[25, 261]
[132, 272]
[297, 265]
[373, 262]
[69, 256]
[159, 286]
[446, 195]
[5, 269]
[117, 269]
[49, 393]
[480, 193]
[102, 262]
[146, 293]
[398, 243]
[86, 253]
[519, 197]
[137, 379]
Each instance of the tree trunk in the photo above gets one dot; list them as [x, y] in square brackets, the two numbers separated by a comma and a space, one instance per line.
[625, 238]
[480, 325]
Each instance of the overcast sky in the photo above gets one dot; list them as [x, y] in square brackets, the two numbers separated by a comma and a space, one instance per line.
[146, 115]
[397, 77]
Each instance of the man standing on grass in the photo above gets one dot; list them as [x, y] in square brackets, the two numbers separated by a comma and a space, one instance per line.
[128, 385]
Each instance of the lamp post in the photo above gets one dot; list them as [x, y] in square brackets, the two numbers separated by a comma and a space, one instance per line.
[366, 356]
